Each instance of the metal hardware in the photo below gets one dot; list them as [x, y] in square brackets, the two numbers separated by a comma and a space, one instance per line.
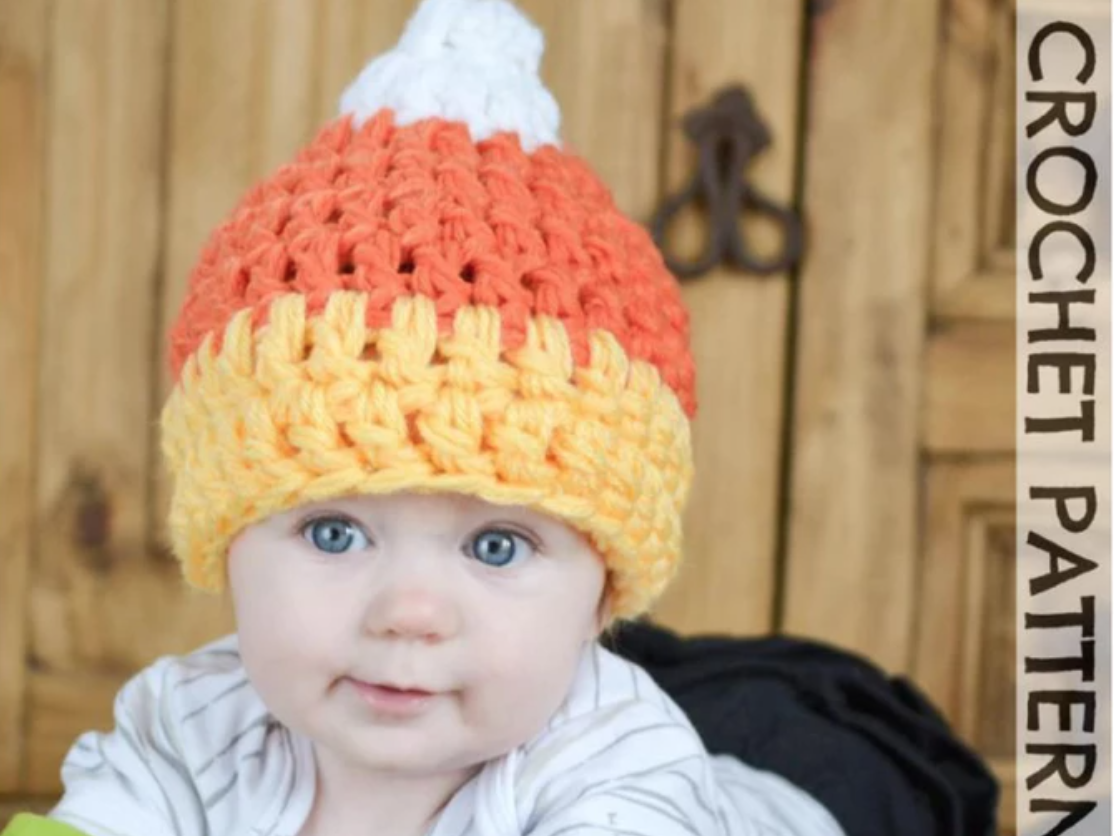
[729, 134]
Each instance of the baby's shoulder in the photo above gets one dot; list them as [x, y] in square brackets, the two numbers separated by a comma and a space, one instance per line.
[617, 735]
[193, 745]
[197, 700]
[611, 690]
[203, 675]
[219, 657]
[615, 719]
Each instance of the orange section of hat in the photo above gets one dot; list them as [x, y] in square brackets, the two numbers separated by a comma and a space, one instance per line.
[421, 209]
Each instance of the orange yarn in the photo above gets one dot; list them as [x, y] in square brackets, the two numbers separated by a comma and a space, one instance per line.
[422, 210]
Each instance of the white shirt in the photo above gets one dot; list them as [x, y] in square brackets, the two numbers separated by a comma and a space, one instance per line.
[196, 752]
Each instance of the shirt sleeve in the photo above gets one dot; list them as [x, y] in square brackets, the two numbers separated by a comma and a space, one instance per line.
[771, 803]
[662, 804]
[639, 769]
[692, 798]
[132, 781]
[630, 768]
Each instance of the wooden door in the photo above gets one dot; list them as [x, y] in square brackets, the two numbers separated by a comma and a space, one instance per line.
[966, 638]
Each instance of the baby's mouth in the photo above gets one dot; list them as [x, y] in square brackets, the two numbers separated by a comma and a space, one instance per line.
[390, 699]
[393, 689]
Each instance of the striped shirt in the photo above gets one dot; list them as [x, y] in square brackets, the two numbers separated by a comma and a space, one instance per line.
[195, 752]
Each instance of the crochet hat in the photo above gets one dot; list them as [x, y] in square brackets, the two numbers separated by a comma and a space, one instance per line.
[435, 296]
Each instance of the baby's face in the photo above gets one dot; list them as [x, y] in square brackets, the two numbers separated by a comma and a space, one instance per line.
[487, 607]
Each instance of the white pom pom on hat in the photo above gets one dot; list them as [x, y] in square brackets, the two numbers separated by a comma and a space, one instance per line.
[469, 61]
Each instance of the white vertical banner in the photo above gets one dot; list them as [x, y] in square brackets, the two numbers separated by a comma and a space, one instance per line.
[1063, 418]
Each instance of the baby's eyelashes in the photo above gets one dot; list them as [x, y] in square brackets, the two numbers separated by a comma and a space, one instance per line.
[501, 547]
[335, 535]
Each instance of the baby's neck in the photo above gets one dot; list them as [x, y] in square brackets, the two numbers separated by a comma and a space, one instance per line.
[348, 800]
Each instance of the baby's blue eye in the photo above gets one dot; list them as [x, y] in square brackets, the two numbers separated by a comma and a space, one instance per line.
[334, 535]
[497, 547]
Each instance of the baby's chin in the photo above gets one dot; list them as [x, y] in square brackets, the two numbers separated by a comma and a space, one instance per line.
[413, 751]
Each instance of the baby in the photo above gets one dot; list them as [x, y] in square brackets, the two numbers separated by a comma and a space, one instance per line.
[430, 429]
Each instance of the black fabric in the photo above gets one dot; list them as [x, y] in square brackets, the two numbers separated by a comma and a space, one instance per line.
[868, 746]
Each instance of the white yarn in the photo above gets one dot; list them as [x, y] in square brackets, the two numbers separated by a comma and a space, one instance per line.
[470, 61]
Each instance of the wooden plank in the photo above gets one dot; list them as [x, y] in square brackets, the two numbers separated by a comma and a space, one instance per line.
[973, 257]
[853, 491]
[349, 34]
[1005, 770]
[988, 713]
[23, 58]
[99, 599]
[987, 294]
[999, 212]
[739, 321]
[967, 68]
[949, 629]
[63, 705]
[98, 295]
[970, 403]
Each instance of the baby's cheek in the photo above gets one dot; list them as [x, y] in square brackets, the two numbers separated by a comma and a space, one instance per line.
[518, 693]
[283, 661]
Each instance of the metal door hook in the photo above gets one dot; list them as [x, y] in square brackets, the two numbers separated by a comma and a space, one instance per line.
[728, 134]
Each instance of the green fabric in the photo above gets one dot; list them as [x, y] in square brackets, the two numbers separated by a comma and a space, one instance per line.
[28, 824]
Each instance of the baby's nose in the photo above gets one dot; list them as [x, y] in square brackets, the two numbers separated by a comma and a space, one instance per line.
[414, 611]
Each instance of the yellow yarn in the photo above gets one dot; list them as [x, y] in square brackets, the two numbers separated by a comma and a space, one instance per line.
[305, 409]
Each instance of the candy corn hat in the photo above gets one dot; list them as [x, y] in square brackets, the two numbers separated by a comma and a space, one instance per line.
[434, 295]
